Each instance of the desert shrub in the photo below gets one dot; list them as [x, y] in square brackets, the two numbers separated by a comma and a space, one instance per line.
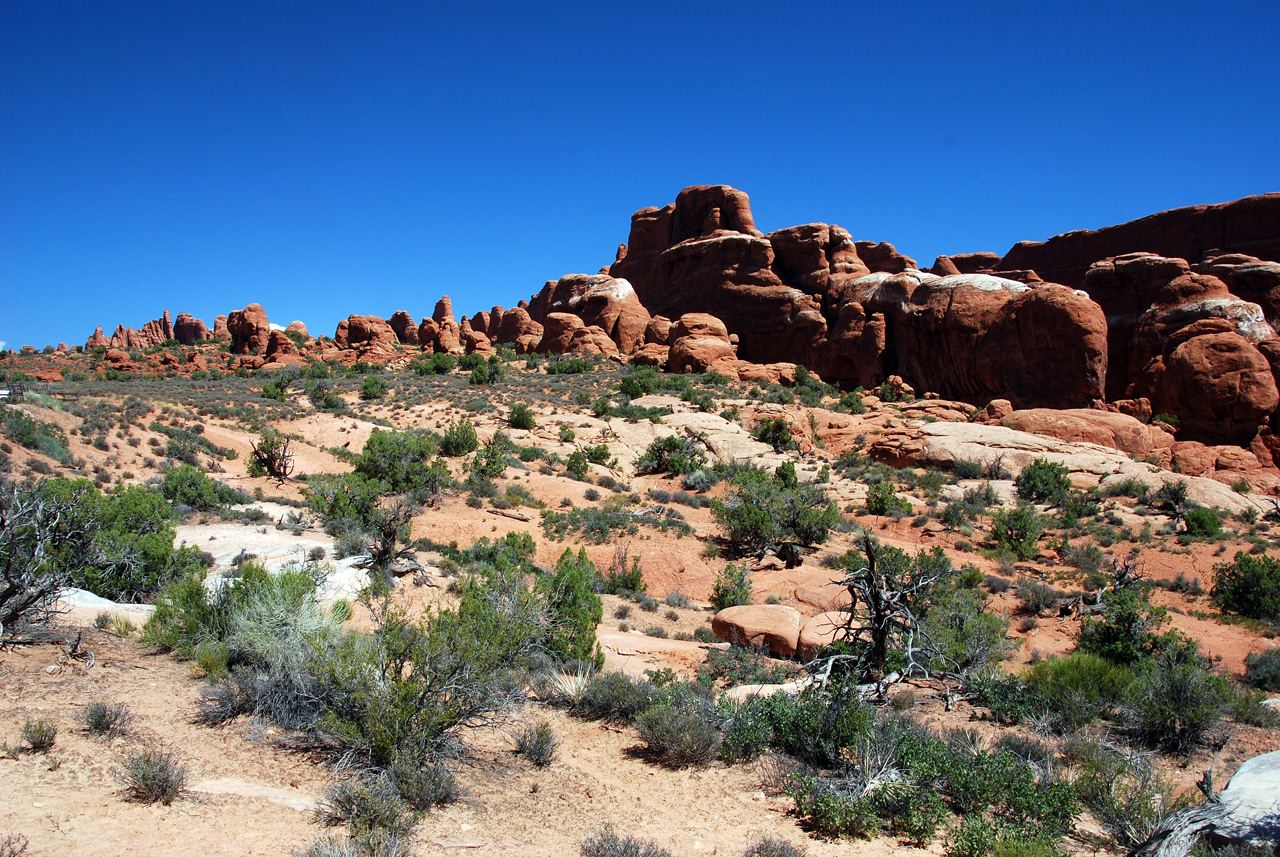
[576, 464]
[39, 735]
[1175, 701]
[152, 775]
[1038, 597]
[459, 438]
[1128, 631]
[732, 587]
[620, 578]
[769, 846]
[775, 431]
[883, 500]
[1017, 530]
[996, 584]
[967, 469]
[575, 608]
[325, 398]
[14, 845]
[366, 803]
[537, 742]
[521, 416]
[760, 510]
[961, 635]
[680, 732]
[1248, 586]
[615, 696]
[671, 454]
[118, 546]
[28, 432]
[1042, 481]
[1202, 523]
[1262, 670]
[1080, 687]
[406, 462]
[372, 387]
[1123, 791]
[188, 485]
[563, 365]
[424, 785]
[105, 720]
[607, 843]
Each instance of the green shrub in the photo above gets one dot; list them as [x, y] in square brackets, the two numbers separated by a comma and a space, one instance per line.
[775, 431]
[521, 416]
[188, 485]
[366, 803]
[105, 720]
[575, 609]
[1262, 670]
[459, 438]
[1043, 481]
[576, 464]
[1128, 631]
[882, 500]
[406, 462]
[769, 846]
[1175, 701]
[1202, 523]
[151, 775]
[671, 454]
[1248, 586]
[831, 811]
[1080, 687]
[372, 387]
[732, 587]
[681, 732]
[1017, 530]
[38, 735]
[614, 696]
[537, 742]
[760, 510]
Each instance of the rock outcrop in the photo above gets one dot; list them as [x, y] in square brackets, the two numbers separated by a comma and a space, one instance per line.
[774, 626]
[405, 328]
[599, 300]
[249, 330]
[189, 330]
[1250, 225]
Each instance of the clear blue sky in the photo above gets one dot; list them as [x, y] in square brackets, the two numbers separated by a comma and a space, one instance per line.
[328, 158]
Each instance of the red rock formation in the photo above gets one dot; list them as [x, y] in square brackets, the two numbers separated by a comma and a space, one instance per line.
[1249, 225]
[1249, 278]
[700, 343]
[558, 329]
[447, 328]
[368, 332]
[518, 326]
[278, 344]
[188, 330]
[405, 329]
[601, 301]
[249, 329]
[658, 331]
[97, 340]
[220, 332]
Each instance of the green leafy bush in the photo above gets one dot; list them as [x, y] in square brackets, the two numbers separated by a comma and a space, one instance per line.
[1175, 701]
[1128, 631]
[760, 511]
[1043, 481]
[1248, 586]
[1202, 523]
[188, 485]
[671, 454]
[575, 609]
[405, 461]
[882, 500]
[459, 438]
[372, 387]
[732, 587]
[1262, 670]
[521, 416]
[775, 431]
[1018, 530]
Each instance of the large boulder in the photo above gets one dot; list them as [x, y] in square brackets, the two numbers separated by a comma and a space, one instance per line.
[1105, 428]
[773, 626]
[822, 630]
[558, 329]
[369, 332]
[220, 331]
[1249, 278]
[700, 343]
[447, 337]
[1220, 386]
[189, 330]
[599, 300]
[404, 327]
[249, 329]
[98, 340]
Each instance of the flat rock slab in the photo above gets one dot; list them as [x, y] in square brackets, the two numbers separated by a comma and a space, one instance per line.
[284, 797]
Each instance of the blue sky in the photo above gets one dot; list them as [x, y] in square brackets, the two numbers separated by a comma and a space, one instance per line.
[329, 158]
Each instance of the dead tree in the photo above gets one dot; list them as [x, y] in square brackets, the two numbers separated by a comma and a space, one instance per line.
[33, 527]
[272, 455]
[886, 603]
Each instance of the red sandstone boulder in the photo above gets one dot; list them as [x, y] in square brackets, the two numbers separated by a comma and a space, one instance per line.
[557, 331]
[700, 343]
[772, 625]
[447, 338]
[298, 327]
[658, 331]
[279, 344]
[699, 324]
[600, 300]
[473, 341]
[591, 340]
[650, 354]
[821, 630]
[1249, 278]
[1220, 386]
[189, 330]
[403, 326]
[428, 334]
[815, 257]
[220, 331]
[98, 340]
[518, 324]
[249, 329]
[369, 332]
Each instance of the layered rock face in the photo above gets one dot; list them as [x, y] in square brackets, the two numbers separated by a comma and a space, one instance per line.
[600, 300]
[1250, 225]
